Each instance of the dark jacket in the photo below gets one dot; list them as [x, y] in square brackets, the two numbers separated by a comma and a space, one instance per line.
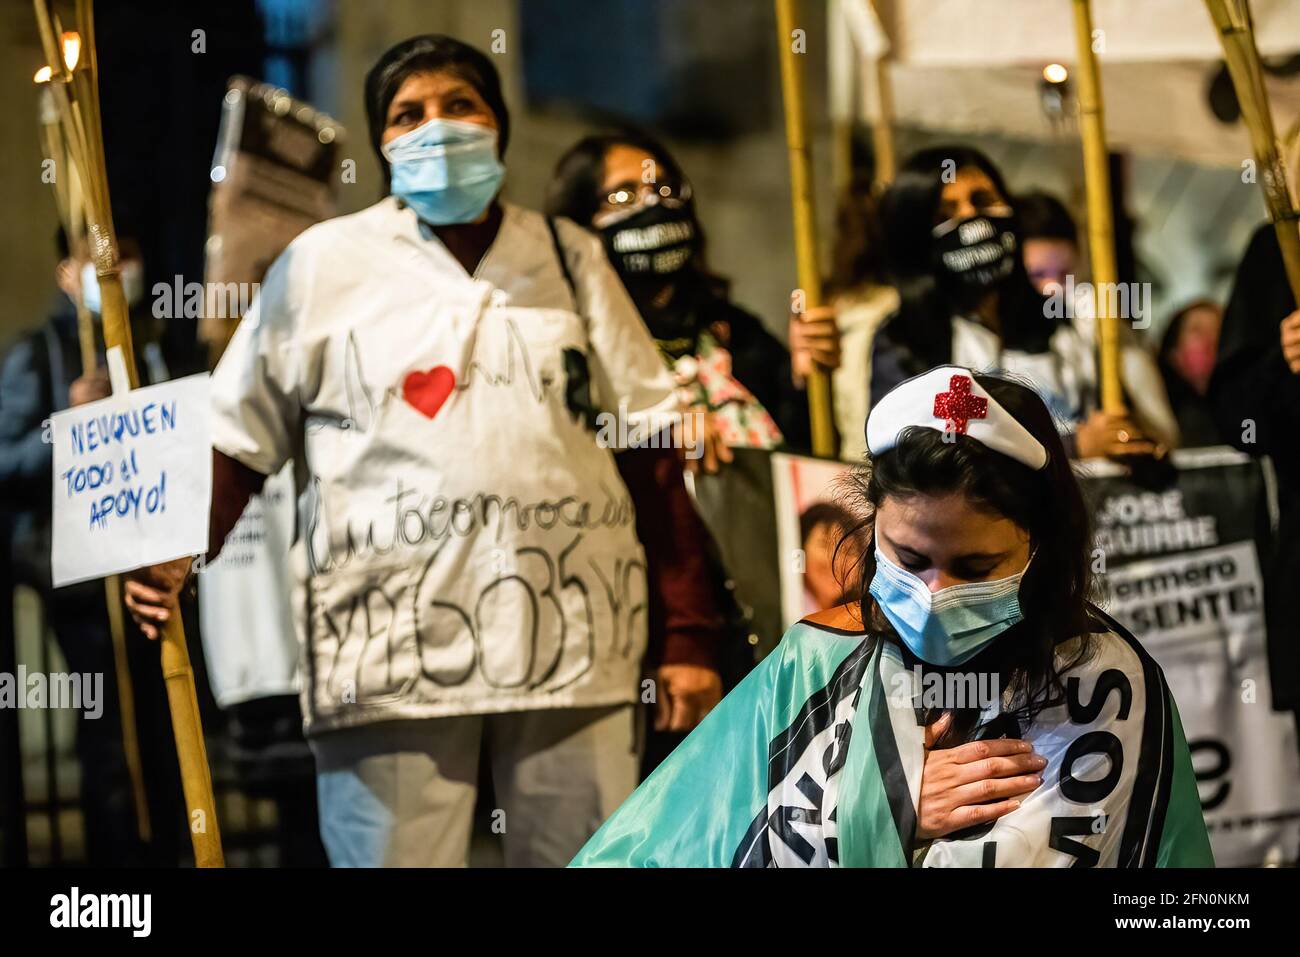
[894, 360]
[761, 364]
[1195, 414]
[34, 377]
[1256, 403]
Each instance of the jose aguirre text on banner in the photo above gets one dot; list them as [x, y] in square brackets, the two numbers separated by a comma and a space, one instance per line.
[132, 480]
[1182, 572]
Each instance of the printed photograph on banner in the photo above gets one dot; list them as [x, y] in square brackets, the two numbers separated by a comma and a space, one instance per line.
[132, 480]
[1181, 568]
[812, 518]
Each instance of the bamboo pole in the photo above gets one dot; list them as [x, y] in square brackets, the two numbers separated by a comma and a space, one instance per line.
[126, 706]
[841, 55]
[77, 235]
[1237, 35]
[1101, 228]
[805, 220]
[882, 127]
[77, 95]
[68, 200]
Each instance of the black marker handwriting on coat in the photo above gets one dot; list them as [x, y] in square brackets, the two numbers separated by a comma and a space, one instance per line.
[417, 519]
[447, 644]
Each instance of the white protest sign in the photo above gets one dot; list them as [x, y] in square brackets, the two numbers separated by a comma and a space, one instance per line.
[132, 480]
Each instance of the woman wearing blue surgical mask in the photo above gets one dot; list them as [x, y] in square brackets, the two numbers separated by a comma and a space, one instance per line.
[972, 708]
[477, 571]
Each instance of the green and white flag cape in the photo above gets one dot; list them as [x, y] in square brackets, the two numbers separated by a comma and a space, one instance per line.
[815, 760]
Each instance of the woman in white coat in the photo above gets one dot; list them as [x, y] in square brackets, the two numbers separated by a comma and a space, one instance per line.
[446, 370]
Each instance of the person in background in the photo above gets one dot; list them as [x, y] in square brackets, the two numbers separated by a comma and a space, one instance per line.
[1050, 241]
[830, 553]
[861, 299]
[1255, 396]
[434, 365]
[39, 375]
[955, 258]
[1187, 354]
[627, 187]
[1053, 257]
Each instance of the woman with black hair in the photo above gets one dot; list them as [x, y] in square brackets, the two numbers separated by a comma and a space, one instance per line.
[627, 187]
[469, 559]
[971, 709]
[1050, 241]
[953, 242]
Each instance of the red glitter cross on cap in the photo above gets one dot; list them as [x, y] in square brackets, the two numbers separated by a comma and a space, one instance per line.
[957, 406]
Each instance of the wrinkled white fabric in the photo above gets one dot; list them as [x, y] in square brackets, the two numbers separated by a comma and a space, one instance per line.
[464, 545]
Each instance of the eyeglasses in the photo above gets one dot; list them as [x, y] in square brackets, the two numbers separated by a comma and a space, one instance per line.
[621, 199]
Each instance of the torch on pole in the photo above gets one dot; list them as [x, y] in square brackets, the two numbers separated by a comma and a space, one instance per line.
[1101, 227]
[805, 220]
[69, 201]
[76, 96]
[1237, 35]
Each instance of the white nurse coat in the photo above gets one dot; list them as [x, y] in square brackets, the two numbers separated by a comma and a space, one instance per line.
[464, 545]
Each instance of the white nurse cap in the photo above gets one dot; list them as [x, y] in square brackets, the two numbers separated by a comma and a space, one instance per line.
[948, 399]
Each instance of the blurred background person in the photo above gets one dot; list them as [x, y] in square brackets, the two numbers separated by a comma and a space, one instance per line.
[40, 374]
[1050, 241]
[861, 299]
[956, 260]
[1188, 349]
[1055, 263]
[965, 298]
[627, 187]
[1255, 396]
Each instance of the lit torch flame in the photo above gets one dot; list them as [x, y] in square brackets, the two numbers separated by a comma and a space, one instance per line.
[71, 50]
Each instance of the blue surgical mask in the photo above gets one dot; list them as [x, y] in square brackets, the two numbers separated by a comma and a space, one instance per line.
[446, 170]
[949, 626]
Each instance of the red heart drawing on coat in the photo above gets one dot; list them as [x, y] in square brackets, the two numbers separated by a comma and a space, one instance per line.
[427, 391]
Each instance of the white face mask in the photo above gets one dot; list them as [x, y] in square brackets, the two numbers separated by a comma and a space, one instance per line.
[132, 275]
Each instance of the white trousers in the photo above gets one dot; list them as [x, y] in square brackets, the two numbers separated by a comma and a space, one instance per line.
[402, 793]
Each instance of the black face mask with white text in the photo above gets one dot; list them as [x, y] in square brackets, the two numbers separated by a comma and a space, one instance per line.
[653, 251]
[972, 255]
